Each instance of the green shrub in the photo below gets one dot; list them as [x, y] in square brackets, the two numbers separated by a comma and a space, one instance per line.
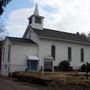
[64, 66]
[30, 78]
[85, 67]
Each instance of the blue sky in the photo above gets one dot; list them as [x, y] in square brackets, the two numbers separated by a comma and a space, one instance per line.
[14, 5]
[63, 15]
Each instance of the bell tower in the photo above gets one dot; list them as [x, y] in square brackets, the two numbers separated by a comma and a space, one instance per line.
[36, 21]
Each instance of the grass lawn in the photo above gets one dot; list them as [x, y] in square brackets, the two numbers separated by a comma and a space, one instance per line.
[58, 78]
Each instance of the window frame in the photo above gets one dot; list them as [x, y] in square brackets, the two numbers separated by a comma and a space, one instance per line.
[53, 51]
[3, 53]
[69, 54]
[82, 54]
[9, 50]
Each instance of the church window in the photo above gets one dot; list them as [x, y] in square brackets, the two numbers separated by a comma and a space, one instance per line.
[69, 53]
[53, 50]
[5, 66]
[3, 53]
[9, 52]
[37, 20]
[82, 55]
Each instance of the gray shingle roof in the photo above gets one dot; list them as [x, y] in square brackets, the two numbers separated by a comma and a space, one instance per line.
[21, 40]
[61, 35]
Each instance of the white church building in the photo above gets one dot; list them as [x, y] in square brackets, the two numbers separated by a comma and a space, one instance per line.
[41, 47]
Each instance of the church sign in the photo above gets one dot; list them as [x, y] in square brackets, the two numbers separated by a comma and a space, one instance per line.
[48, 64]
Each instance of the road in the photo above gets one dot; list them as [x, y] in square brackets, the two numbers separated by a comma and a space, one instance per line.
[9, 84]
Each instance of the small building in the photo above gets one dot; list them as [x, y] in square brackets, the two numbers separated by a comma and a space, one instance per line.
[38, 45]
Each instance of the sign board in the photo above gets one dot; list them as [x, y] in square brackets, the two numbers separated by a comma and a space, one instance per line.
[48, 64]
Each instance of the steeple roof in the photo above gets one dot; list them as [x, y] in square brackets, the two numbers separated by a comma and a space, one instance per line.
[36, 11]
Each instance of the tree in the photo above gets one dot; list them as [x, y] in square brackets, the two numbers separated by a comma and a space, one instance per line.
[3, 31]
[85, 67]
[2, 27]
[88, 36]
[83, 35]
[3, 4]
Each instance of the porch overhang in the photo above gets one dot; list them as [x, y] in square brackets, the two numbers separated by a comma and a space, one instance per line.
[48, 57]
[32, 58]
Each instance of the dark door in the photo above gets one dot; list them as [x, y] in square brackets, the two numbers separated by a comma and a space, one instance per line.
[32, 65]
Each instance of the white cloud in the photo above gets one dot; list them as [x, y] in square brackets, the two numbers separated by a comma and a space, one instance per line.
[77, 16]
[71, 16]
[18, 21]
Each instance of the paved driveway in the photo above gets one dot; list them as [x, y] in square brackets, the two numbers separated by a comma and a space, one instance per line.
[8, 84]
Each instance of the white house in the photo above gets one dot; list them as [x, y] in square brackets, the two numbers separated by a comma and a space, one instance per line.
[40, 46]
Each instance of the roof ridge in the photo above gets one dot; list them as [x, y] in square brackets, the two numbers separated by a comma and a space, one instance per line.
[59, 31]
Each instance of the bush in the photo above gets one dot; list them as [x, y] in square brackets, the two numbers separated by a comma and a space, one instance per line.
[56, 68]
[64, 66]
[85, 68]
[13, 74]
[20, 76]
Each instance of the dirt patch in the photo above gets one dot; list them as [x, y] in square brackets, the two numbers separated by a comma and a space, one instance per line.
[7, 83]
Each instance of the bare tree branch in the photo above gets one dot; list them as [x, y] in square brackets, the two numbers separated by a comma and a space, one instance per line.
[3, 4]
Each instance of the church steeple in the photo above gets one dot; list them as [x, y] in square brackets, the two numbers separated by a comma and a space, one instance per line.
[36, 21]
[36, 11]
